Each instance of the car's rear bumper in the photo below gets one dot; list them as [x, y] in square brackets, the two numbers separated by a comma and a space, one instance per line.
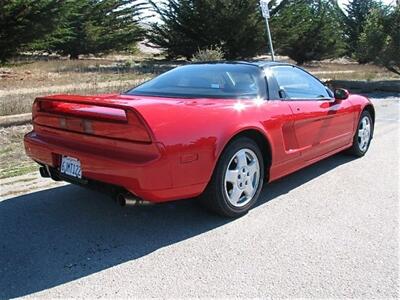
[142, 169]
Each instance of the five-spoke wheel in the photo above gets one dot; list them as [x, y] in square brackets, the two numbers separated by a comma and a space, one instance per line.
[363, 136]
[364, 133]
[237, 179]
[242, 177]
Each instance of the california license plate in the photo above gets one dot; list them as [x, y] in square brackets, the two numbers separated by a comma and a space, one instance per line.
[71, 166]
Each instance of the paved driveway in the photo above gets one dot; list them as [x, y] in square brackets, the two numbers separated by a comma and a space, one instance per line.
[331, 230]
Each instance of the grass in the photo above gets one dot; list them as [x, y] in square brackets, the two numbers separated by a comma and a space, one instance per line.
[21, 83]
[337, 71]
[21, 102]
[18, 170]
[13, 161]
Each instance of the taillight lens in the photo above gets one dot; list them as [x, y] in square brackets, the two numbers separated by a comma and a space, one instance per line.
[83, 110]
[139, 130]
[104, 121]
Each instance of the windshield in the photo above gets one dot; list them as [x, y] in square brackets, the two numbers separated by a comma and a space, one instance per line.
[206, 81]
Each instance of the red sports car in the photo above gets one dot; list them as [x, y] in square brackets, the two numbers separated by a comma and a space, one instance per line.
[214, 130]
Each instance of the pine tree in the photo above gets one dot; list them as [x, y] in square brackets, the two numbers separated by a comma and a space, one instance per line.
[235, 26]
[308, 30]
[379, 41]
[96, 26]
[372, 38]
[390, 56]
[356, 12]
[24, 21]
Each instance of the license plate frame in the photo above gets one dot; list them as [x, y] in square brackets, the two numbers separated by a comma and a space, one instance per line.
[71, 166]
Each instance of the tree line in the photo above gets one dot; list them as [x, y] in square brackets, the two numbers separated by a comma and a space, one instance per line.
[304, 30]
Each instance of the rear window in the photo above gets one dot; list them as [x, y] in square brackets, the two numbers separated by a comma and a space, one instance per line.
[206, 81]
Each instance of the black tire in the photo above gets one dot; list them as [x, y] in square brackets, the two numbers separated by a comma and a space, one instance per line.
[215, 197]
[357, 149]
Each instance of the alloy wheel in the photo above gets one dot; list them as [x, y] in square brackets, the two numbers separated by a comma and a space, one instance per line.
[242, 177]
[364, 133]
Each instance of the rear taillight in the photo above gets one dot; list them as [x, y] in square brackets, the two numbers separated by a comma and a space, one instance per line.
[94, 119]
[137, 127]
[86, 111]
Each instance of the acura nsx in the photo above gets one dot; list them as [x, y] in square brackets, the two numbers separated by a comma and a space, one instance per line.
[216, 131]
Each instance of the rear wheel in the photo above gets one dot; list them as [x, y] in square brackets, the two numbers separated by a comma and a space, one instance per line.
[363, 136]
[237, 179]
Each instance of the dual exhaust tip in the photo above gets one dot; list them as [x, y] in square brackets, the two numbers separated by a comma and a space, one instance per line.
[127, 199]
[44, 172]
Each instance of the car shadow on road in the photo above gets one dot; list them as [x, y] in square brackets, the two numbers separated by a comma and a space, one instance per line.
[55, 236]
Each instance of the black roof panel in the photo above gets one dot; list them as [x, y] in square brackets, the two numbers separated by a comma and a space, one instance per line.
[258, 63]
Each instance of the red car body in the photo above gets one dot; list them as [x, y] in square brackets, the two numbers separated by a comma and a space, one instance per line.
[163, 149]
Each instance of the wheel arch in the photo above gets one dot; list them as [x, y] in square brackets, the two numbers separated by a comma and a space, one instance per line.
[370, 108]
[262, 141]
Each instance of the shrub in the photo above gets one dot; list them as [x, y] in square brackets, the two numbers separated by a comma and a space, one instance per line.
[208, 54]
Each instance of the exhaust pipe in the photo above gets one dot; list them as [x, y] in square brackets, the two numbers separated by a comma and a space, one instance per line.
[127, 199]
[44, 172]
[48, 172]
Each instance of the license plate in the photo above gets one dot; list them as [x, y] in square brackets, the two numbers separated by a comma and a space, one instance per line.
[71, 166]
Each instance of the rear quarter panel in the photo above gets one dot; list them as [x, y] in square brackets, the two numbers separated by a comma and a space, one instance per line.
[195, 132]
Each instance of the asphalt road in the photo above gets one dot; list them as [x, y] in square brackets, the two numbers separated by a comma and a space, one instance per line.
[331, 230]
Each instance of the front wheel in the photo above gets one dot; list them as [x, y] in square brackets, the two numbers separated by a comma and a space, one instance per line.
[237, 180]
[363, 136]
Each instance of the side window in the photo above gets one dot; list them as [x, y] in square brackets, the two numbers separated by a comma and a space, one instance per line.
[244, 82]
[298, 84]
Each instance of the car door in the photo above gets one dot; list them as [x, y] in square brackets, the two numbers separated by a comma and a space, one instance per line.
[321, 123]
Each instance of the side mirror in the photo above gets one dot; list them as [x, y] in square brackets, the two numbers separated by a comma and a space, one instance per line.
[341, 94]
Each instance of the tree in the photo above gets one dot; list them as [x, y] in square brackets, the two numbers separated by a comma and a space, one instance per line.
[357, 12]
[235, 26]
[308, 30]
[390, 56]
[372, 38]
[379, 41]
[23, 21]
[96, 26]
